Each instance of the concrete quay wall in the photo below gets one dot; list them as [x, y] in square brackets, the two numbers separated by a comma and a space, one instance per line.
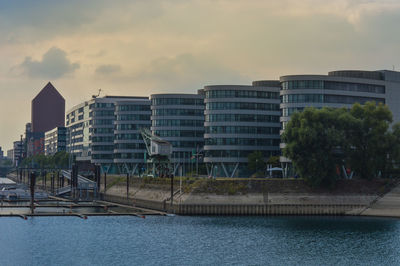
[237, 209]
[276, 209]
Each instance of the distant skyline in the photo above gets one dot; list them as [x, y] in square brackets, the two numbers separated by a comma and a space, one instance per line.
[144, 47]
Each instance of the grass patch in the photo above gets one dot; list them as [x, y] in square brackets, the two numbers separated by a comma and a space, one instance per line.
[114, 181]
[220, 187]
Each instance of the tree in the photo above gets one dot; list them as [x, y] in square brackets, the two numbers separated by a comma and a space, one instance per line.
[6, 162]
[256, 162]
[58, 160]
[370, 140]
[61, 159]
[274, 161]
[320, 141]
[314, 139]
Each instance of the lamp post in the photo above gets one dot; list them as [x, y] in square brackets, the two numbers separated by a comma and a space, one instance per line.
[70, 129]
[20, 152]
[256, 166]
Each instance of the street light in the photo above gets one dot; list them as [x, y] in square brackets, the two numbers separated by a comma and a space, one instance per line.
[70, 130]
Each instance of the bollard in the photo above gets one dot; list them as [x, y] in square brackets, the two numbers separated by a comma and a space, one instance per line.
[127, 185]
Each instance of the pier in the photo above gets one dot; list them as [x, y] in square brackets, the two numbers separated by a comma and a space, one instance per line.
[15, 200]
[82, 209]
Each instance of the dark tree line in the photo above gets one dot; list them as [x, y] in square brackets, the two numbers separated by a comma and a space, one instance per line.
[58, 160]
[320, 141]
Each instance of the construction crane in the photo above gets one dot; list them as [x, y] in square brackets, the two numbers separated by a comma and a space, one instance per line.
[159, 153]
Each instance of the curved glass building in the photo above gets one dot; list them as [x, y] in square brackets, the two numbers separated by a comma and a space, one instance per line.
[238, 121]
[93, 130]
[337, 89]
[179, 119]
[129, 147]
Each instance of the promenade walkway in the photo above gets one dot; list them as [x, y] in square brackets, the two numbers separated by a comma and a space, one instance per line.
[387, 206]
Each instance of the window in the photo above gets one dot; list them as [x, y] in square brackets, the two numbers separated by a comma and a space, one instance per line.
[241, 94]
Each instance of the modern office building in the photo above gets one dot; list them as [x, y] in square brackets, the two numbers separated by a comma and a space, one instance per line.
[10, 154]
[28, 135]
[55, 141]
[239, 120]
[48, 112]
[338, 89]
[17, 152]
[225, 123]
[179, 119]
[90, 134]
[129, 147]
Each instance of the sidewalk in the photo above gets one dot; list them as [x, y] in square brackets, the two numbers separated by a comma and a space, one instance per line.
[387, 206]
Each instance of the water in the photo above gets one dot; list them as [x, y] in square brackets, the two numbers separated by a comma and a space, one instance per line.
[199, 241]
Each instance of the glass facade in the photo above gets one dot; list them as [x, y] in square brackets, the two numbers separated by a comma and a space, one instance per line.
[242, 141]
[290, 111]
[327, 98]
[103, 113]
[128, 136]
[178, 112]
[129, 147]
[130, 108]
[241, 94]
[132, 117]
[119, 127]
[176, 101]
[238, 154]
[109, 130]
[101, 134]
[241, 118]
[241, 106]
[130, 155]
[179, 133]
[243, 131]
[101, 130]
[177, 123]
[179, 119]
[332, 85]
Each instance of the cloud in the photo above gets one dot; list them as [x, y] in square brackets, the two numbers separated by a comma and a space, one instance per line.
[54, 64]
[107, 69]
[187, 71]
[33, 21]
[46, 15]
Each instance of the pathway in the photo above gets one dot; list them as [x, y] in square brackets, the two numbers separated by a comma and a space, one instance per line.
[387, 206]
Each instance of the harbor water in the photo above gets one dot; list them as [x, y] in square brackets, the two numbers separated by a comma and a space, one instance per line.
[183, 240]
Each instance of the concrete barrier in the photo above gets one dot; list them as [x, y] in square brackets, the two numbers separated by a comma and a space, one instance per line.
[276, 209]
[236, 209]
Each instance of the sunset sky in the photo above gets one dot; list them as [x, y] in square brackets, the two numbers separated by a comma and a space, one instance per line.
[142, 47]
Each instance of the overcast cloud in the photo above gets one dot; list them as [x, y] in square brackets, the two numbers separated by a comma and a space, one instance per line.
[53, 65]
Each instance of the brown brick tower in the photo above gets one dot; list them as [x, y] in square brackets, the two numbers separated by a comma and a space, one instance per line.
[48, 112]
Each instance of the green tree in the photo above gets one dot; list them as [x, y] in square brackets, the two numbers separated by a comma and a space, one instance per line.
[274, 161]
[370, 140]
[5, 162]
[61, 159]
[256, 163]
[395, 143]
[314, 142]
[58, 160]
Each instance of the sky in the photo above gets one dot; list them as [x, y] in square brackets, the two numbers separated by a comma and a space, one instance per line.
[138, 48]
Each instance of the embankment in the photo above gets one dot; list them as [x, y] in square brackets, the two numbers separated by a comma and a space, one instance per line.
[251, 196]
